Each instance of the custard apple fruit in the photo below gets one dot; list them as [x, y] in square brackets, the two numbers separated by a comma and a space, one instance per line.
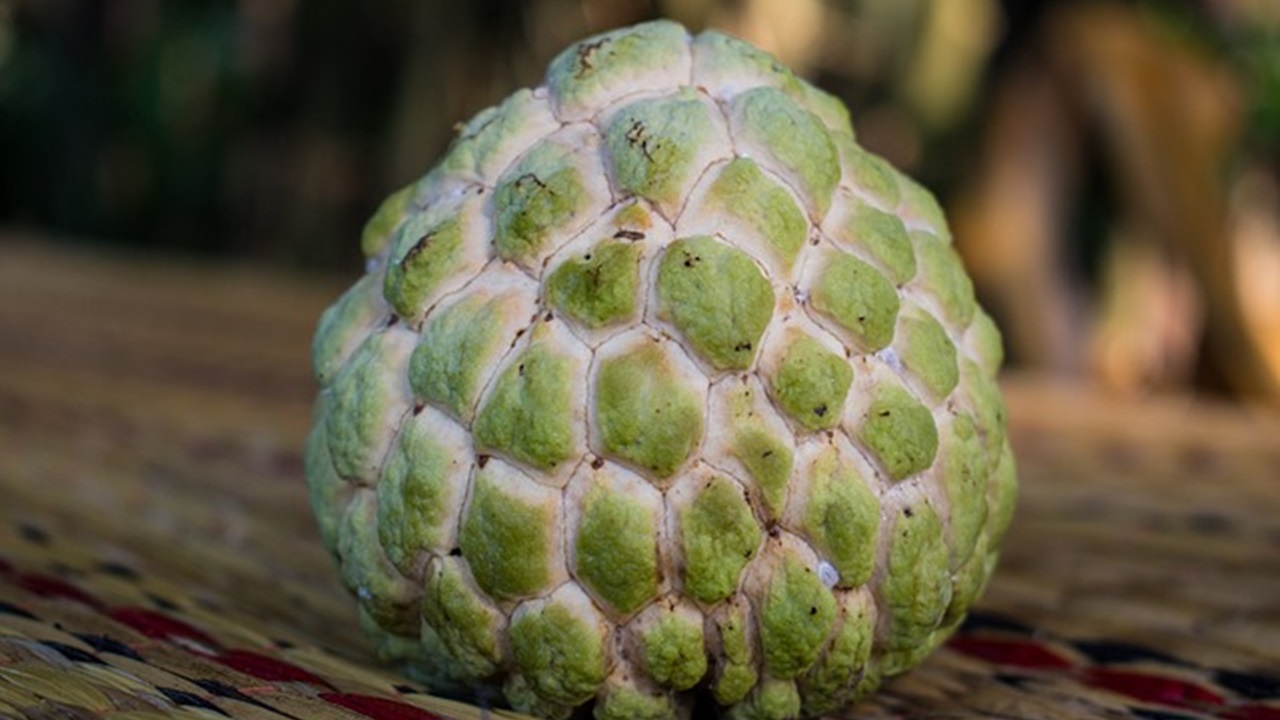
[659, 391]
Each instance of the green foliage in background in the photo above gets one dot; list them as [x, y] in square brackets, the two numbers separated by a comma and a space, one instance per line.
[270, 130]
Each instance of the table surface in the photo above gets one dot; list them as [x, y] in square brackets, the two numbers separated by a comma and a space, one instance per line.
[156, 553]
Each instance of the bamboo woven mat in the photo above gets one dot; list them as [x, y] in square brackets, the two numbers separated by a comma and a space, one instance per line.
[157, 557]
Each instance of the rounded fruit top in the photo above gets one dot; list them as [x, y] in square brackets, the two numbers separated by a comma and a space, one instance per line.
[660, 390]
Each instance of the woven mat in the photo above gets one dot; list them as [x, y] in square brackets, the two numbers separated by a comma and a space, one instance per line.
[157, 557]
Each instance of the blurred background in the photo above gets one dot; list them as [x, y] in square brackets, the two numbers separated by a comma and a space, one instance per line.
[1111, 169]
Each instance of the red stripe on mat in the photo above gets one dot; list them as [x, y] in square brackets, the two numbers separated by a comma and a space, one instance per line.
[379, 708]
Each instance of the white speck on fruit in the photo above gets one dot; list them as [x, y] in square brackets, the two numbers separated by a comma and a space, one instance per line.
[827, 574]
[891, 359]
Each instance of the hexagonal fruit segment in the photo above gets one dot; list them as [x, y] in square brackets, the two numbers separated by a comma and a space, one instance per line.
[716, 298]
[534, 412]
[548, 196]
[747, 436]
[649, 404]
[717, 533]
[615, 517]
[559, 645]
[511, 533]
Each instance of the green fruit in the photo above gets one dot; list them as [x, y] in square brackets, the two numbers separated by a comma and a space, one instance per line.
[660, 390]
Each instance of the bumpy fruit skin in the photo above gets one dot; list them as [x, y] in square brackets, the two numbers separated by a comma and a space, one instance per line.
[660, 388]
